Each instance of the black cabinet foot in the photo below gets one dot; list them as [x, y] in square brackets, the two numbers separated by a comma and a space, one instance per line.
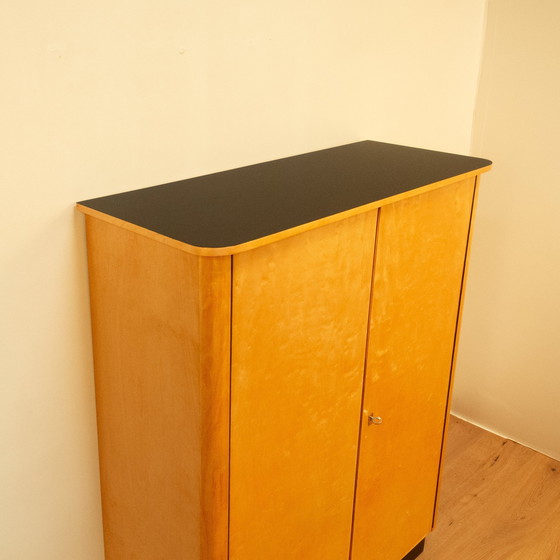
[416, 551]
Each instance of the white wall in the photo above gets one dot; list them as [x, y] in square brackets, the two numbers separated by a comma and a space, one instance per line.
[508, 376]
[106, 96]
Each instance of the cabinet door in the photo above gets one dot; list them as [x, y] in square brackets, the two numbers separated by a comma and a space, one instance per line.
[419, 262]
[300, 313]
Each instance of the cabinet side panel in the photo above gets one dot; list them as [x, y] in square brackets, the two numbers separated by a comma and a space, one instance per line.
[148, 355]
[299, 329]
[456, 343]
[418, 271]
[215, 330]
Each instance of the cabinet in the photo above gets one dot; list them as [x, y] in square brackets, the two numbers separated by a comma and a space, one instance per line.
[273, 352]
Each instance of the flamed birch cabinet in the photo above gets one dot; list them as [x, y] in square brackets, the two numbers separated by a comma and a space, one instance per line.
[274, 350]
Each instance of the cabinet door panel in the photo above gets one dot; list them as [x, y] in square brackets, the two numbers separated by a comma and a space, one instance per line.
[420, 256]
[300, 312]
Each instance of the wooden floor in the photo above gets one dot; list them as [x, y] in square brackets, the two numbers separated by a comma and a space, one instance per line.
[499, 500]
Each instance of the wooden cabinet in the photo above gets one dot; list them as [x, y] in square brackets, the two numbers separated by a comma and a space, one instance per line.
[274, 350]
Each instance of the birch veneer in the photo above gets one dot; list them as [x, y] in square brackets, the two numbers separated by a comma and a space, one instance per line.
[274, 350]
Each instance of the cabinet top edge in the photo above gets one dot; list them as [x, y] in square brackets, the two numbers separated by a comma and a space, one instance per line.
[231, 211]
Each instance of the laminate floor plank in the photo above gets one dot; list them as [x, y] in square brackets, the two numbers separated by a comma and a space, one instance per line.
[499, 500]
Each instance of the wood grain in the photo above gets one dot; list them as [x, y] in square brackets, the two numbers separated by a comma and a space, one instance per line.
[498, 500]
[418, 271]
[299, 332]
[456, 344]
[162, 391]
[214, 309]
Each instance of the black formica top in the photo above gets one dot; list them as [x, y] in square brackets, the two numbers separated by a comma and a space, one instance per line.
[233, 207]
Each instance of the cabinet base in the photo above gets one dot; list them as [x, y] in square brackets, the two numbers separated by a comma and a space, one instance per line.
[416, 551]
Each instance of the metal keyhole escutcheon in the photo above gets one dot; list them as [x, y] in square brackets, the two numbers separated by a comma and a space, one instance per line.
[372, 419]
